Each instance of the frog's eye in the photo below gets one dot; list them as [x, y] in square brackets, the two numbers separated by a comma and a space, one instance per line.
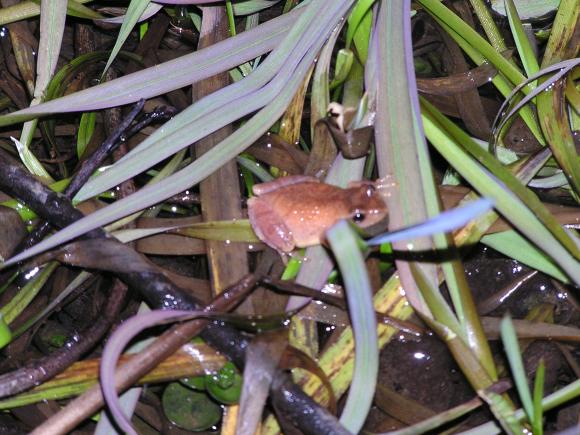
[358, 217]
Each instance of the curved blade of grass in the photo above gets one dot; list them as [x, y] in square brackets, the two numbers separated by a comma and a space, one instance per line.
[198, 170]
[129, 398]
[222, 107]
[169, 75]
[523, 45]
[85, 133]
[134, 11]
[345, 247]
[564, 68]
[115, 345]
[18, 303]
[511, 181]
[28, 158]
[508, 204]
[447, 221]
[512, 349]
[551, 182]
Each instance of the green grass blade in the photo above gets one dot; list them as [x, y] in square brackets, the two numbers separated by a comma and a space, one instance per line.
[75, 8]
[553, 115]
[488, 24]
[561, 69]
[435, 422]
[238, 230]
[86, 130]
[52, 20]
[134, 11]
[345, 247]
[537, 423]
[19, 302]
[523, 45]
[355, 19]
[512, 349]
[28, 158]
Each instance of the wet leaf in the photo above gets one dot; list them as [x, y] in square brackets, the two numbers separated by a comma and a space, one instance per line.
[238, 230]
[190, 410]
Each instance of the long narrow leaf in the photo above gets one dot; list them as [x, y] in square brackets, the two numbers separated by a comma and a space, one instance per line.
[512, 349]
[168, 76]
[52, 21]
[199, 169]
[344, 245]
[134, 11]
[220, 108]
[525, 50]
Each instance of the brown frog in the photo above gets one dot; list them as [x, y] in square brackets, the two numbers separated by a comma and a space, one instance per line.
[295, 211]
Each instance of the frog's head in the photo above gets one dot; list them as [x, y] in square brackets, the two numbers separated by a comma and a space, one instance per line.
[366, 207]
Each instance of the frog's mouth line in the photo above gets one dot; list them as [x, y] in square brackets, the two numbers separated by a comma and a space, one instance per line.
[377, 228]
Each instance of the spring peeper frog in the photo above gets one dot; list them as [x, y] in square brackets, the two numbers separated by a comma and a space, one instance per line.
[295, 211]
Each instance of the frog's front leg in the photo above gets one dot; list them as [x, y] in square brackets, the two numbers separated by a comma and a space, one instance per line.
[269, 226]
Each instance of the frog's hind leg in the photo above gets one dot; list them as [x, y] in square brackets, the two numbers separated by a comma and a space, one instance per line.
[269, 227]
